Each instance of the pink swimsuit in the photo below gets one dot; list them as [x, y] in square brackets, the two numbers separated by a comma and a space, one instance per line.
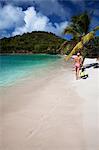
[77, 65]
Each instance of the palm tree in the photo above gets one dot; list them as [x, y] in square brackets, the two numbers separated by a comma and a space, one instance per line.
[84, 40]
[79, 28]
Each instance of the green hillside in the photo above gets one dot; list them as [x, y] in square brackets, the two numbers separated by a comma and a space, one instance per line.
[35, 42]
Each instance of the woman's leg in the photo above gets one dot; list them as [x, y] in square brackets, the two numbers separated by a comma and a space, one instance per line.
[77, 73]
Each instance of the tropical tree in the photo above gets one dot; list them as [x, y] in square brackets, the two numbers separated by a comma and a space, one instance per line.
[79, 27]
[84, 40]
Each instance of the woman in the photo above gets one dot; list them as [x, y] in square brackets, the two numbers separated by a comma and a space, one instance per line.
[78, 60]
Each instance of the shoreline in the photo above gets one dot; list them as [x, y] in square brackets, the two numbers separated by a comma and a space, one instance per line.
[4, 54]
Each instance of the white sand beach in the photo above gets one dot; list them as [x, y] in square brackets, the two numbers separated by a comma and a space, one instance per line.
[57, 112]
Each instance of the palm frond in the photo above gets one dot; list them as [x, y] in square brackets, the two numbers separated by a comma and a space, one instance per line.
[96, 28]
[70, 30]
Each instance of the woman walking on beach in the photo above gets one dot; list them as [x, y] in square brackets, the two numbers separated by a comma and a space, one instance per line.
[78, 60]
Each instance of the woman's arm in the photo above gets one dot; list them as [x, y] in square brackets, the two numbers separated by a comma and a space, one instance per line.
[81, 60]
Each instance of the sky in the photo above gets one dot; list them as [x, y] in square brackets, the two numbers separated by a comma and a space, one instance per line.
[21, 16]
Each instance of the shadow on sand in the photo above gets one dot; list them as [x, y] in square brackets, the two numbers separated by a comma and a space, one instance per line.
[94, 65]
[83, 73]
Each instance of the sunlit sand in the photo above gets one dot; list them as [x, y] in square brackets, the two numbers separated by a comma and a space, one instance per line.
[56, 112]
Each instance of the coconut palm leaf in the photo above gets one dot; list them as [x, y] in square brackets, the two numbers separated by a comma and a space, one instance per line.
[79, 25]
[70, 30]
[96, 28]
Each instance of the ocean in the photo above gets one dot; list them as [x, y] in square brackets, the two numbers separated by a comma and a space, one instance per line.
[16, 67]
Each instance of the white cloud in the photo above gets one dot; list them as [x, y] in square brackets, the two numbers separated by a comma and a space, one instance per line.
[35, 21]
[11, 17]
[15, 21]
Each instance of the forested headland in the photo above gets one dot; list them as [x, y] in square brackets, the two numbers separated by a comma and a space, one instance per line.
[43, 42]
[35, 42]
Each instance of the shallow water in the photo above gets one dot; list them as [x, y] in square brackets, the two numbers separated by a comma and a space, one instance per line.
[15, 67]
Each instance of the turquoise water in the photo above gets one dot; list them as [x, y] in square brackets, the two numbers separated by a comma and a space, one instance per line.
[15, 67]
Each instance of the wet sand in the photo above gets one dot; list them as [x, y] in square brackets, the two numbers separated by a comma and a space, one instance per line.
[53, 113]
